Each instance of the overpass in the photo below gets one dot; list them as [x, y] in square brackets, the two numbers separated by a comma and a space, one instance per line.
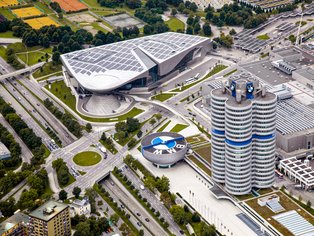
[21, 71]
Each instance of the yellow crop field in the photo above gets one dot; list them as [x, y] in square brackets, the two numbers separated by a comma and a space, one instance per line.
[37, 23]
[5, 3]
[26, 12]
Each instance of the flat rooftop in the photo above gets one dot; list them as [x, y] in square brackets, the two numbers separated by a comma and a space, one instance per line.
[48, 210]
[12, 221]
[295, 223]
[307, 73]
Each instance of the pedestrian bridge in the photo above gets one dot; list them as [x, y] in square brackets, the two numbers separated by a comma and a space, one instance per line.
[21, 71]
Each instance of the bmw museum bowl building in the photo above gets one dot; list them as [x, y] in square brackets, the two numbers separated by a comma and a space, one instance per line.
[164, 149]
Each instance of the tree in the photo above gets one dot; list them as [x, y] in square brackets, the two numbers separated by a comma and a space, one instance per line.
[88, 127]
[152, 121]
[103, 136]
[181, 7]
[133, 3]
[207, 29]
[179, 215]
[76, 191]
[132, 143]
[190, 20]
[158, 116]
[174, 11]
[197, 28]
[63, 195]
[163, 184]
[114, 218]
[82, 229]
[150, 183]
[232, 32]
[56, 57]
[132, 124]
[308, 203]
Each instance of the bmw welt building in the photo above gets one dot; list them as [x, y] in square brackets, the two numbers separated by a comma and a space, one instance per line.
[243, 116]
[141, 63]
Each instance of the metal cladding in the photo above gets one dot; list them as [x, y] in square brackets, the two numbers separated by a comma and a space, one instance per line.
[164, 148]
[243, 135]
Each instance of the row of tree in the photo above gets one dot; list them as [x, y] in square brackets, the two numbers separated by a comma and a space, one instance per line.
[15, 149]
[72, 124]
[21, 128]
[62, 171]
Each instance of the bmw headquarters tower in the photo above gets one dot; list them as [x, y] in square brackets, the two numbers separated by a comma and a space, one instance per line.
[243, 116]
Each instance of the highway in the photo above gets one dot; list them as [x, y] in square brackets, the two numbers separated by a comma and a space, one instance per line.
[65, 136]
[153, 200]
[25, 116]
[135, 207]
[133, 217]
[26, 154]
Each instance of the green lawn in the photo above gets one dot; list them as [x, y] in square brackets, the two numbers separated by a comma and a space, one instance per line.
[97, 27]
[6, 13]
[60, 90]
[230, 73]
[105, 12]
[163, 126]
[32, 58]
[175, 24]
[71, 180]
[163, 96]
[87, 158]
[47, 69]
[3, 52]
[263, 37]
[8, 34]
[178, 127]
[214, 71]
[200, 165]
[302, 23]
[43, 7]
[204, 152]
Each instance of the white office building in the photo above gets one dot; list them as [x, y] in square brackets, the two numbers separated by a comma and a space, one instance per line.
[243, 116]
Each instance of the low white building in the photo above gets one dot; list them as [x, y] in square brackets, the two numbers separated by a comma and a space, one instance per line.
[80, 207]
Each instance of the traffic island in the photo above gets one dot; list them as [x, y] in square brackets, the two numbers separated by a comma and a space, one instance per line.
[88, 158]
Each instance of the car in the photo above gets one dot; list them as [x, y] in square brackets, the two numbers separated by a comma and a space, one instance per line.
[181, 232]
[146, 219]
[138, 214]
[112, 183]
[139, 224]
[122, 206]
[142, 187]
[37, 104]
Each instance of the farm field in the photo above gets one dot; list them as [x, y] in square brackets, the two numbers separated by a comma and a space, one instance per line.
[71, 6]
[26, 12]
[37, 23]
[5, 3]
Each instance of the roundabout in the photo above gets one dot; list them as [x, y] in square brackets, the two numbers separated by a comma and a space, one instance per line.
[88, 158]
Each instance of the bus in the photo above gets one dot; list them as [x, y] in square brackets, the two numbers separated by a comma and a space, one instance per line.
[190, 80]
[280, 175]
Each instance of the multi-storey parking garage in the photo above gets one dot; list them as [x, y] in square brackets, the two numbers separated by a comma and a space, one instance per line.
[243, 134]
[136, 63]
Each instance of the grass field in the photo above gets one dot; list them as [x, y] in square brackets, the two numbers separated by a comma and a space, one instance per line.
[3, 52]
[8, 34]
[163, 96]
[105, 12]
[37, 23]
[97, 27]
[163, 126]
[230, 73]
[178, 127]
[204, 152]
[32, 58]
[60, 90]
[6, 13]
[195, 139]
[5, 3]
[287, 204]
[48, 69]
[200, 165]
[26, 12]
[43, 7]
[263, 37]
[87, 158]
[175, 24]
[71, 180]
